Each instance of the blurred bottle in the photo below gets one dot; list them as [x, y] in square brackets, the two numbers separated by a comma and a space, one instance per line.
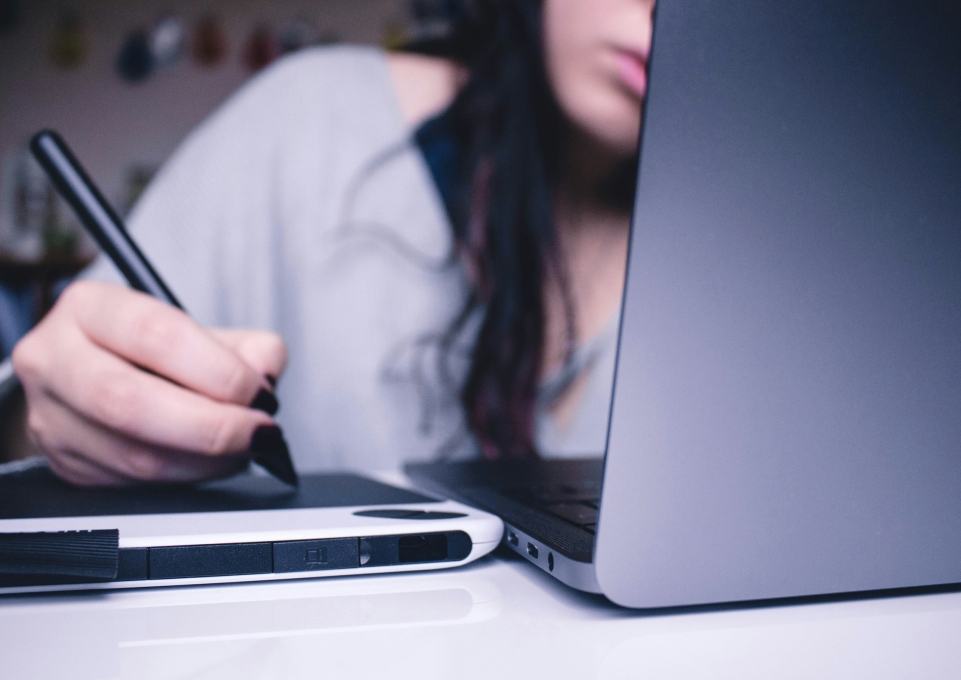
[28, 205]
[260, 49]
[209, 42]
[34, 222]
[167, 39]
[68, 45]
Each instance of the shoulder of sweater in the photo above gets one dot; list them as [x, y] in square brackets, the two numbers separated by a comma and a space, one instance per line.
[342, 70]
[304, 91]
[338, 98]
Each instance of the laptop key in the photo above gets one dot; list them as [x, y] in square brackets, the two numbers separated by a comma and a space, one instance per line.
[556, 493]
[576, 513]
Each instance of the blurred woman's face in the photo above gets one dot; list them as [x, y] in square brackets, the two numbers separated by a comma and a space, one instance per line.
[596, 55]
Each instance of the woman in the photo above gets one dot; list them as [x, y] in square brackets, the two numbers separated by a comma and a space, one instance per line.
[439, 243]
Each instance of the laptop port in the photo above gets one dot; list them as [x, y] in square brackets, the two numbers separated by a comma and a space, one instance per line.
[532, 550]
[550, 561]
[512, 538]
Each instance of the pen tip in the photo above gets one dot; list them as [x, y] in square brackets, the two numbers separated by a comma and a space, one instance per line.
[270, 452]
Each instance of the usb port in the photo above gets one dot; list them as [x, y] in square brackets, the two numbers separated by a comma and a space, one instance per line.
[532, 550]
[512, 538]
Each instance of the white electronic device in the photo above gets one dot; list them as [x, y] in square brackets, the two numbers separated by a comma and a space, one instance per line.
[249, 528]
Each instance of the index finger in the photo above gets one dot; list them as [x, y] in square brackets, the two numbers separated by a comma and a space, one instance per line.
[263, 351]
[162, 339]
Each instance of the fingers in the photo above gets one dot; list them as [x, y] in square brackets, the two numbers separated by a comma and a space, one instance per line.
[118, 396]
[103, 420]
[80, 472]
[162, 339]
[113, 460]
[265, 352]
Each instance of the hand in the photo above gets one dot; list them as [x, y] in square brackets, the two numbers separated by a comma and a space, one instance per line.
[122, 388]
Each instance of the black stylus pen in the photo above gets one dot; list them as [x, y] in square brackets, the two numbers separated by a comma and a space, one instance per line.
[268, 446]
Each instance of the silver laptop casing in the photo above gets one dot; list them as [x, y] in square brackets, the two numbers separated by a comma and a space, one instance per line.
[786, 418]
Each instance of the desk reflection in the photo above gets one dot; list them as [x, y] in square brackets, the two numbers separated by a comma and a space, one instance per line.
[328, 626]
[498, 618]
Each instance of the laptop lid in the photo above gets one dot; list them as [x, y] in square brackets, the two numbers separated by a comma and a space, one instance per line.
[786, 405]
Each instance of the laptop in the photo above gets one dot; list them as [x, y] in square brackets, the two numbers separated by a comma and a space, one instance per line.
[786, 413]
[54, 536]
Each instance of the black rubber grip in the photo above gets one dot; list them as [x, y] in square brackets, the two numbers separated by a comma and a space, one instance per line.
[89, 555]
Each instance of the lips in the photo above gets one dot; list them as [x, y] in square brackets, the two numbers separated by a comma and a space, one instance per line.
[631, 69]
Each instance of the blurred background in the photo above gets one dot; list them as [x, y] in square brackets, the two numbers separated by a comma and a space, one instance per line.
[124, 81]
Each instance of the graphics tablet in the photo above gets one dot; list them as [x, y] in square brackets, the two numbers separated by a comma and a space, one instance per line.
[248, 528]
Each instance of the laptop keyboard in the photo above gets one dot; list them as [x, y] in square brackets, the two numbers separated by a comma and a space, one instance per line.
[572, 502]
[552, 500]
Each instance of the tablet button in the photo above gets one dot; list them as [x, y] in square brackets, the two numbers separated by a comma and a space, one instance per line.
[193, 561]
[328, 553]
[399, 513]
[365, 552]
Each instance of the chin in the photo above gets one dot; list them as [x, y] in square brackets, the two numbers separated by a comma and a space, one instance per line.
[619, 135]
[624, 143]
[605, 113]
[613, 120]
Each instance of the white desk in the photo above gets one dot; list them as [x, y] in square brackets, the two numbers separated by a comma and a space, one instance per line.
[499, 618]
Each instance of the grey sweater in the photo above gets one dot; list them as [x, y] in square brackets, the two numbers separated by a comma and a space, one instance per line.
[303, 207]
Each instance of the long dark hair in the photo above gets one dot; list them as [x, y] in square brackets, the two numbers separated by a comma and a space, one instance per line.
[496, 154]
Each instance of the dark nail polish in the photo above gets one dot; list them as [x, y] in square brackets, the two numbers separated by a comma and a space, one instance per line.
[271, 379]
[271, 453]
[265, 401]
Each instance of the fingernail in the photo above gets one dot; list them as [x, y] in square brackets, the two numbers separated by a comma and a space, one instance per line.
[271, 453]
[265, 401]
[271, 379]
